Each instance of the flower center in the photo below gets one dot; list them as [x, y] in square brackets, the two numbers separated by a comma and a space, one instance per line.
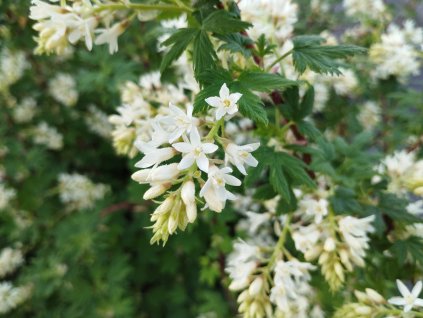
[227, 103]
[243, 154]
[198, 151]
[220, 182]
[409, 299]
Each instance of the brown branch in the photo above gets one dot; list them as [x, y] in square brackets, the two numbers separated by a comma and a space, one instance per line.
[126, 206]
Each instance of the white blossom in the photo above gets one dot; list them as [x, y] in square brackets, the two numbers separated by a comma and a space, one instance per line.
[63, 89]
[78, 192]
[6, 195]
[11, 297]
[225, 103]
[10, 259]
[241, 155]
[25, 110]
[214, 190]
[43, 134]
[195, 151]
[409, 298]
[110, 36]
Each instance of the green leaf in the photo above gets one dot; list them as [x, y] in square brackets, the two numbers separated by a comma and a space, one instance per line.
[308, 52]
[180, 40]
[236, 43]
[396, 209]
[279, 182]
[309, 130]
[222, 22]
[251, 106]
[285, 171]
[410, 249]
[203, 55]
[264, 82]
[307, 103]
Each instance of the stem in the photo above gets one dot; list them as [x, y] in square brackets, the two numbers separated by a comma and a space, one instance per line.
[278, 60]
[143, 7]
[281, 242]
[215, 129]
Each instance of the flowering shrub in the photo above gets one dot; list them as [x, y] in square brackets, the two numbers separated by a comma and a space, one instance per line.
[260, 158]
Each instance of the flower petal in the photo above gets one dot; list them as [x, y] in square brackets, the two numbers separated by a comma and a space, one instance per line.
[235, 97]
[220, 112]
[402, 288]
[183, 147]
[397, 301]
[224, 92]
[203, 163]
[186, 162]
[209, 148]
[417, 289]
[194, 137]
[214, 101]
[231, 180]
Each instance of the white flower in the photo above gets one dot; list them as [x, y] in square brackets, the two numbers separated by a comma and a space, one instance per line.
[226, 103]
[408, 299]
[79, 192]
[5, 196]
[180, 122]
[25, 111]
[110, 36]
[370, 115]
[188, 197]
[355, 233]
[162, 174]
[10, 259]
[214, 191]
[315, 208]
[46, 135]
[63, 89]
[98, 122]
[241, 264]
[240, 155]
[153, 156]
[11, 297]
[256, 220]
[195, 151]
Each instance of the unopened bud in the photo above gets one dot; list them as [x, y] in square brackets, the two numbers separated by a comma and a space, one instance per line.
[256, 286]
[155, 191]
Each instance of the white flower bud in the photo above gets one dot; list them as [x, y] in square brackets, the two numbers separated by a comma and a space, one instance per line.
[375, 296]
[165, 206]
[363, 310]
[188, 197]
[155, 191]
[330, 245]
[159, 174]
[256, 286]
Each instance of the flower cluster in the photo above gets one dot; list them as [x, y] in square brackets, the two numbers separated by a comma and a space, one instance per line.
[46, 135]
[176, 132]
[338, 245]
[373, 10]
[371, 303]
[134, 118]
[63, 89]
[11, 297]
[25, 111]
[91, 22]
[405, 173]
[12, 67]
[10, 259]
[275, 18]
[6, 194]
[398, 52]
[78, 192]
